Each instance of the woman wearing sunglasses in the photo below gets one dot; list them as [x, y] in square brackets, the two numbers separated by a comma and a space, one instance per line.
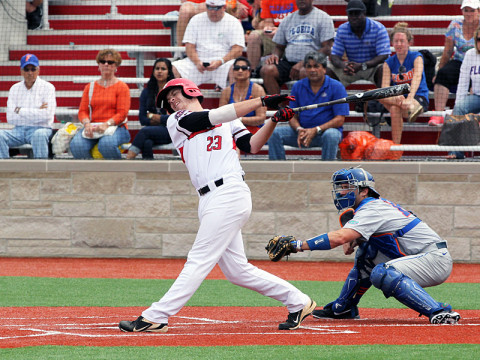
[405, 67]
[243, 89]
[154, 120]
[106, 106]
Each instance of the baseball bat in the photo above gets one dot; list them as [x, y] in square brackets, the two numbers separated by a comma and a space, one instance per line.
[375, 94]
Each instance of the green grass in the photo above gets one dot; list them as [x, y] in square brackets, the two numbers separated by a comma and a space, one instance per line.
[37, 291]
[357, 352]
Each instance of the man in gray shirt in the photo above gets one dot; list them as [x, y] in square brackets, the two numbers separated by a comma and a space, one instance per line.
[305, 30]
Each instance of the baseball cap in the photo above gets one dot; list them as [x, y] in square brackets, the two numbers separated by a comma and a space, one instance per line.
[474, 4]
[356, 5]
[216, 2]
[28, 59]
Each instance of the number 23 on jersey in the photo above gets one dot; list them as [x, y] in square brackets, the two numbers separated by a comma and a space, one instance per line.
[214, 143]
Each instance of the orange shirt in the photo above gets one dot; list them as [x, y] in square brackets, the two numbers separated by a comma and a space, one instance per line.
[112, 102]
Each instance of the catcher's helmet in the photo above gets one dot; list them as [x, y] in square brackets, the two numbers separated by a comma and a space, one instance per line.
[189, 89]
[346, 182]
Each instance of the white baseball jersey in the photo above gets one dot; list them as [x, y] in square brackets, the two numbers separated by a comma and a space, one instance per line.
[381, 216]
[469, 72]
[208, 154]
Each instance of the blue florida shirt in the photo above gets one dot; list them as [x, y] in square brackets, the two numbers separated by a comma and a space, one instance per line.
[374, 42]
[408, 63]
[331, 90]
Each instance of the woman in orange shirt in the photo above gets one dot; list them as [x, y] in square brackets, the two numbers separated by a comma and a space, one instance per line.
[109, 105]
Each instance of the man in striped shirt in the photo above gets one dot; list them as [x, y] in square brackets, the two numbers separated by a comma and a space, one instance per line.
[364, 42]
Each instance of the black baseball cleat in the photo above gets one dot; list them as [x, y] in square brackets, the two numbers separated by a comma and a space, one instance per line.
[328, 313]
[445, 317]
[295, 319]
[142, 325]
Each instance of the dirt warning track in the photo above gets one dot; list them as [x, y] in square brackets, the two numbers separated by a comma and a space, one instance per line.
[229, 326]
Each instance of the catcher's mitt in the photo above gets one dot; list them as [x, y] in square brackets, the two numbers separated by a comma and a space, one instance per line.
[281, 246]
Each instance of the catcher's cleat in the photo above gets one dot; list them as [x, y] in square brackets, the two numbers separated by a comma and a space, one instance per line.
[446, 307]
[142, 325]
[445, 317]
[295, 319]
[328, 313]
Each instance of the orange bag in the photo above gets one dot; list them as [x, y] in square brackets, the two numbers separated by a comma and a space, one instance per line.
[354, 144]
[380, 150]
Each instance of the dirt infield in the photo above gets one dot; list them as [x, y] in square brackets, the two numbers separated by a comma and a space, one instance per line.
[170, 268]
[227, 326]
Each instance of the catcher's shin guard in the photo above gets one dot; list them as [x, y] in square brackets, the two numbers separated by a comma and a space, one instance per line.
[358, 280]
[352, 291]
[394, 283]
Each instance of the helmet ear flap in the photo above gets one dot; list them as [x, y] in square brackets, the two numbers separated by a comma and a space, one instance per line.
[189, 89]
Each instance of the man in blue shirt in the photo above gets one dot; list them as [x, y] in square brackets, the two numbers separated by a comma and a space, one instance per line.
[316, 127]
[366, 45]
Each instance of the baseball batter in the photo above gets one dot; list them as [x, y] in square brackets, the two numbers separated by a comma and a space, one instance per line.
[206, 141]
[401, 255]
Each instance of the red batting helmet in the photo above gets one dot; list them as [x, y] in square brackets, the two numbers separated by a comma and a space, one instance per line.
[189, 89]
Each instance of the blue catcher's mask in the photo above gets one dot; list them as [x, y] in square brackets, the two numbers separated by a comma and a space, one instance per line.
[346, 183]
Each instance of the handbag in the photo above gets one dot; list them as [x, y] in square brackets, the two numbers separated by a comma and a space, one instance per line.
[96, 135]
[61, 139]
[460, 130]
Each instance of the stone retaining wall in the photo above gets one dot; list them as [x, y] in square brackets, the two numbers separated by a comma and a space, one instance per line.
[149, 208]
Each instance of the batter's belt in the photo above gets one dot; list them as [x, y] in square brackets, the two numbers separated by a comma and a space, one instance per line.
[204, 190]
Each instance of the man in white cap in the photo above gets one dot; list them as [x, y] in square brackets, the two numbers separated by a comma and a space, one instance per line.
[31, 108]
[213, 40]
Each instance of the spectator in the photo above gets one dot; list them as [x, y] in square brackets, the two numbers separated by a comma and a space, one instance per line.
[458, 40]
[212, 41]
[34, 14]
[31, 108]
[259, 42]
[153, 119]
[366, 45]
[405, 67]
[307, 29]
[188, 9]
[108, 106]
[377, 7]
[317, 127]
[244, 89]
[468, 102]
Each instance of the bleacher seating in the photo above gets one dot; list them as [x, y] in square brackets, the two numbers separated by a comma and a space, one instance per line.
[77, 29]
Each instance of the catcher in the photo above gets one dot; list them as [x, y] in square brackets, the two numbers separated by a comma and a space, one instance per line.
[397, 252]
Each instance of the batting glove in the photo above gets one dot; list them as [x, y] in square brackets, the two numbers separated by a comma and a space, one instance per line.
[273, 101]
[283, 115]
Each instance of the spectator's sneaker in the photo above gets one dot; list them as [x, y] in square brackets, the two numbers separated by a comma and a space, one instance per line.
[413, 114]
[142, 324]
[436, 121]
[328, 313]
[445, 317]
[295, 319]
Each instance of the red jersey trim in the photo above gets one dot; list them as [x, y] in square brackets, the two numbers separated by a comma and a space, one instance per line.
[192, 135]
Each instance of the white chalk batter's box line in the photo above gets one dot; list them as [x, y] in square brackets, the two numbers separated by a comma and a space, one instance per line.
[323, 329]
